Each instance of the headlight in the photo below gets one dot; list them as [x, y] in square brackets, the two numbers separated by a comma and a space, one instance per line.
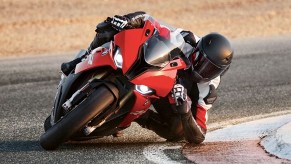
[118, 60]
[143, 89]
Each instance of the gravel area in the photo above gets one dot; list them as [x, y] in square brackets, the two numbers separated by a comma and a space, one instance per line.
[34, 27]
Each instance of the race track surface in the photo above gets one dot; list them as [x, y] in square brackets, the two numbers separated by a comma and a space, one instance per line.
[258, 82]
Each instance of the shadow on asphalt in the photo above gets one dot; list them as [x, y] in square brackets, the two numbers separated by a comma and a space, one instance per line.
[28, 146]
[19, 146]
[108, 145]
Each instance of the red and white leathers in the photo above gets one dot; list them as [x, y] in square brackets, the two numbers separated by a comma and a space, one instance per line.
[202, 106]
[206, 96]
[193, 113]
[188, 120]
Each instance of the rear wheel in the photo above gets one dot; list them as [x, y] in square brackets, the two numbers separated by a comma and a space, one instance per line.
[76, 119]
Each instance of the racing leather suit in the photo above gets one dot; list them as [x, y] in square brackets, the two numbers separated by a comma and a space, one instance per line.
[172, 124]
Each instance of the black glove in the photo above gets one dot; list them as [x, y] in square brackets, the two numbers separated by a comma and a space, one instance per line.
[118, 22]
[67, 68]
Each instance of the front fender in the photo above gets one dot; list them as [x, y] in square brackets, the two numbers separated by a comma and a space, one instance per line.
[71, 84]
[63, 90]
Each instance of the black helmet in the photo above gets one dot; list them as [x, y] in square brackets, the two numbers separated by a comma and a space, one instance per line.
[212, 57]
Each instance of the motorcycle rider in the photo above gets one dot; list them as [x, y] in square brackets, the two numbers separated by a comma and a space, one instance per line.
[195, 90]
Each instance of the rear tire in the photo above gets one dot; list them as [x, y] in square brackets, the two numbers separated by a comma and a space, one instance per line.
[76, 119]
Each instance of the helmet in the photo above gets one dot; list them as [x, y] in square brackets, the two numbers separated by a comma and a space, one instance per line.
[211, 58]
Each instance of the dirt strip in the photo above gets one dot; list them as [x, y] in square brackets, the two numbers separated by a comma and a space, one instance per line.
[34, 27]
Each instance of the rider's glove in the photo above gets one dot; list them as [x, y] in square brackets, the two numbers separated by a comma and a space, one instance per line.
[118, 22]
[180, 95]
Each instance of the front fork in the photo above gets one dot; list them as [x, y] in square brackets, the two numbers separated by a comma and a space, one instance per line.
[94, 124]
[140, 106]
[57, 96]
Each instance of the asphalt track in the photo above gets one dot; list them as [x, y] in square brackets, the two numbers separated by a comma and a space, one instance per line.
[258, 82]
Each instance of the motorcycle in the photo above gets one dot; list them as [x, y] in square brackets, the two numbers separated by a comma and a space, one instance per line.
[115, 84]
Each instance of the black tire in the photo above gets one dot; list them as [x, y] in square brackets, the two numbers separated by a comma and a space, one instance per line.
[74, 121]
[70, 85]
[47, 123]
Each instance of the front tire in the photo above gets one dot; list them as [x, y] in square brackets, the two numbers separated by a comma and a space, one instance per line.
[76, 119]
[47, 123]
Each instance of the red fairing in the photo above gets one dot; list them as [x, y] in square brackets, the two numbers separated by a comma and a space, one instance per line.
[129, 43]
[164, 31]
[142, 103]
[99, 57]
[162, 81]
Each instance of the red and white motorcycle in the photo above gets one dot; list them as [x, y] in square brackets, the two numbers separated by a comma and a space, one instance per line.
[115, 84]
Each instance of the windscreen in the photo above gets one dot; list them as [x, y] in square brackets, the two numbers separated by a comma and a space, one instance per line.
[161, 46]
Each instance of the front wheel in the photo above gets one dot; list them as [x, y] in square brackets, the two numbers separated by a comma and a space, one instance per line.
[76, 119]
[47, 123]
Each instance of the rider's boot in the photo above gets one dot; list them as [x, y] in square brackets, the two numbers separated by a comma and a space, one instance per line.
[118, 134]
[69, 66]
[152, 121]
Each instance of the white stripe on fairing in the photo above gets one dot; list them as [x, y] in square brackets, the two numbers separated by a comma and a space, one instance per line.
[155, 153]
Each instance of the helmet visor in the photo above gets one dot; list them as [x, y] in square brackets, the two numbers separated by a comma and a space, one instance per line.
[204, 69]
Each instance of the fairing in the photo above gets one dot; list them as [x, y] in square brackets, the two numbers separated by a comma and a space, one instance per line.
[162, 81]
[129, 42]
[101, 56]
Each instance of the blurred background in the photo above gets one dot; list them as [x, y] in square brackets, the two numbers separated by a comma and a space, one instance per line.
[33, 27]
